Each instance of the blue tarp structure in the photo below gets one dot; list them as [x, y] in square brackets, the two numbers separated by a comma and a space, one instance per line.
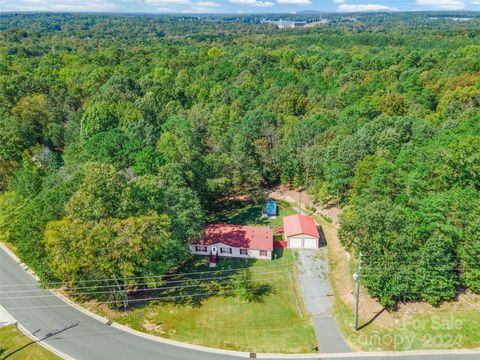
[271, 208]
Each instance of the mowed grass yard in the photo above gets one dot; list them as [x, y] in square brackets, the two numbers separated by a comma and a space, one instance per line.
[416, 327]
[274, 324]
[16, 346]
[201, 312]
[249, 213]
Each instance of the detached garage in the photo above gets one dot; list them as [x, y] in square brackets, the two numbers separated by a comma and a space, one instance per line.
[301, 232]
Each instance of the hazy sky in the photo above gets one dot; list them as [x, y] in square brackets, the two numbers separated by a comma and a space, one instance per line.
[234, 6]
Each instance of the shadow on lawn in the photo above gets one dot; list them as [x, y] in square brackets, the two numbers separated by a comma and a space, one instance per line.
[183, 288]
[49, 335]
[231, 277]
[239, 213]
[323, 239]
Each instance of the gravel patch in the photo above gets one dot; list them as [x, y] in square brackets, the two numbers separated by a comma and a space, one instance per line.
[317, 297]
[313, 280]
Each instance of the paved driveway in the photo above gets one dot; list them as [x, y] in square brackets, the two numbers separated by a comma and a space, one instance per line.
[317, 296]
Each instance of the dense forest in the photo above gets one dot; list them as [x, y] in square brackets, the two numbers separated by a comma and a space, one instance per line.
[119, 134]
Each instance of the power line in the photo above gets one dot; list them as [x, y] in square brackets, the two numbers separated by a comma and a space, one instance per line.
[121, 301]
[410, 256]
[203, 278]
[439, 276]
[475, 306]
[141, 290]
[431, 270]
[148, 276]
[280, 269]
[423, 263]
[366, 263]
[180, 296]
[426, 262]
[409, 276]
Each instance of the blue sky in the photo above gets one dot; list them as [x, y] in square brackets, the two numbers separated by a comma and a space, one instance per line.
[234, 6]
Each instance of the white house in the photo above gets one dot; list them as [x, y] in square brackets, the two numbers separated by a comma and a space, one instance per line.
[301, 232]
[255, 242]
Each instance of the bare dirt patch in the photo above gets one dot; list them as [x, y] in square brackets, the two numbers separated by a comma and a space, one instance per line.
[152, 327]
[300, 198]
[343, 267]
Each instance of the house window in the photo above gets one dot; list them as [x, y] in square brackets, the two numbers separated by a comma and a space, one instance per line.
[199, 248]
[243, 252]
[225, 250]
[263, 252]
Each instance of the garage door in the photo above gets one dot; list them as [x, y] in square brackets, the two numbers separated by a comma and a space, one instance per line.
[310, 243]
[295, 243]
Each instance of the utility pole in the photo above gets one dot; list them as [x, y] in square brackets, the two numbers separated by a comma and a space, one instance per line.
[123, 294]
[356, 278]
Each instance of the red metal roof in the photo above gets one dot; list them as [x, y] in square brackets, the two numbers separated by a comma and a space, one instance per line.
[300, 224]
[248, 237]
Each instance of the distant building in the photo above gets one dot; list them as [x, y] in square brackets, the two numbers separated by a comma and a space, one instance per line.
[290, 24]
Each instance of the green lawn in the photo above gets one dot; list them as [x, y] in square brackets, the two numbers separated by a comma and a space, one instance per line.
[433, 329]
[273, 323]
[16, 346]
[249, 213]
[203, 310]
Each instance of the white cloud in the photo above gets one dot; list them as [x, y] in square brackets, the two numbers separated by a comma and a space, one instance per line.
[34, 1]
[364, 7]
[199, 10]
[28, 7]
[166, 10]
[339, 1]
[263, 3]
[443, 4]
[61, 5]
[167, 2]
[206, 4]
[256, 3]
[294, 2]
[85, 6]
[184, 6]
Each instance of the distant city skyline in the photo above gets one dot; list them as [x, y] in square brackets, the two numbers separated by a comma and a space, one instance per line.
[234, 6]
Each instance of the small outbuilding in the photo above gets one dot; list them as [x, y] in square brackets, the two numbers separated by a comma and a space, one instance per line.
[271, 208]
[301, 232]
[254, 242]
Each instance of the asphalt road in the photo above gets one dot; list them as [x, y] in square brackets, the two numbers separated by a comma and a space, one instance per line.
[84, 338]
